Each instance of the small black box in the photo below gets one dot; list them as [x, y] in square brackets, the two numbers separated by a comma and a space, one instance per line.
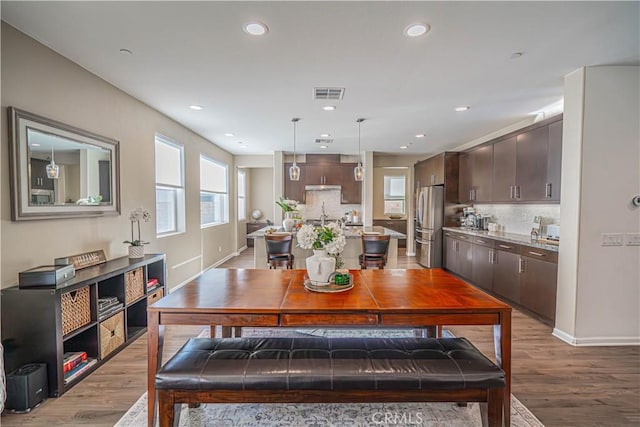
[46, 276]
[26, 387]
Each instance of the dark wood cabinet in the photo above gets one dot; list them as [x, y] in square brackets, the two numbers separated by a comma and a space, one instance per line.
[554, 162]
[351, 189]
[538, 281]
[506, 278]
[459, 254]
[476, 175]
[251, 227]
[430, 171]
[531, 164]
[504, 170]
[482, 263]
[41, 324]
[441, 169]
[294, 190]
[39, 178]
[399, 225]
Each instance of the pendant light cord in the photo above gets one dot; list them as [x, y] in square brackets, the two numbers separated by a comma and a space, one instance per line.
[295, 121]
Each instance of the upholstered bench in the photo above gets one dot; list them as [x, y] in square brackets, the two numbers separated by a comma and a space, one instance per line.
[285, 370]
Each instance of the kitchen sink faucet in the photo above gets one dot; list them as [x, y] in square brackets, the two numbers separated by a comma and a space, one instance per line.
[323, 216]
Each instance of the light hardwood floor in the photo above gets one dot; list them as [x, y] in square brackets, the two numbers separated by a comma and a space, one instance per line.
[562, 385]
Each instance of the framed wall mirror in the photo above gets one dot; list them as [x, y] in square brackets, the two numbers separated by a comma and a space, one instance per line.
[59, 171]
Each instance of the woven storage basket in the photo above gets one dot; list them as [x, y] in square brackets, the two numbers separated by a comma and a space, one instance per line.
[76, 309]
[133, 285]
[111, 334]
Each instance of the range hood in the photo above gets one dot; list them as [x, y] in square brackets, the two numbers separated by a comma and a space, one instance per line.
[322, 187]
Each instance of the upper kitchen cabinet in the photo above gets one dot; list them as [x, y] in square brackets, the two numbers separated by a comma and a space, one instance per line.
[554, 162]
[526, 166]
[351, 189]
[476, 175]
[441, 169]
[323, 174]
[294, 190]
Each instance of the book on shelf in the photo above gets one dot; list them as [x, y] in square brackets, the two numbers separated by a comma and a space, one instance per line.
[79, 370]
[152, 282]
[102, 314]
[72, 359]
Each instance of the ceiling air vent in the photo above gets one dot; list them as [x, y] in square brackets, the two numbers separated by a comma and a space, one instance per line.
[328, 92]
[324, 141]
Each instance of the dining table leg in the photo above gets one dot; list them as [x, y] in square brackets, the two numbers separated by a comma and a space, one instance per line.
[155, 341]
[502, 344]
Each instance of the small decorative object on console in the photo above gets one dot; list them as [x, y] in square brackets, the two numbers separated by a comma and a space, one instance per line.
[83, 260]
[46, 276]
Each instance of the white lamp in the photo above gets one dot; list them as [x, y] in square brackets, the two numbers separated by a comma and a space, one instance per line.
[53, 171]
[358, 171]
[294, 170]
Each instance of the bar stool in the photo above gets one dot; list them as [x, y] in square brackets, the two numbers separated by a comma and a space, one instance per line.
[279, 250]
[374, 251]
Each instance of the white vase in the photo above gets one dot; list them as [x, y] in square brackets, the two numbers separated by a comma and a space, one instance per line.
[289, 221]
[136, 251]
[320, 266]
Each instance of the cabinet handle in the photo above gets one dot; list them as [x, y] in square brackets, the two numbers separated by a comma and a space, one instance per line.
[495, 257]
[512, 192]
[433, 179]
[506, 247]
[537, 254]
[480, 241]
[548, 190]
[521, 266]
[517, 192]
[490, 256]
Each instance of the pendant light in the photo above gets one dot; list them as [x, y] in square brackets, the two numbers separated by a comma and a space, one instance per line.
[358, 171]
[53, 170]
[294, 170]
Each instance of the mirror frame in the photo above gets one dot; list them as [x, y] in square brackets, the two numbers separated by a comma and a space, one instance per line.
[19, 168]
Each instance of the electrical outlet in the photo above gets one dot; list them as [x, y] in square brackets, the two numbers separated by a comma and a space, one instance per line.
[525, 216]
[633, 239]
[612, 239]
[219, 248]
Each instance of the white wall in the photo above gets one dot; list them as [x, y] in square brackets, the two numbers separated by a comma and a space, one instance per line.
[261, 190]
[36, 79]
[599, 289]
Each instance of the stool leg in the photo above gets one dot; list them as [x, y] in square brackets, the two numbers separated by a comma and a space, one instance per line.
[226, 332]
[237, 331]
[212, 331]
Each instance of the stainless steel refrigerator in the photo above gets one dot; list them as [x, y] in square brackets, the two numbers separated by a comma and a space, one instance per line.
[429, 218]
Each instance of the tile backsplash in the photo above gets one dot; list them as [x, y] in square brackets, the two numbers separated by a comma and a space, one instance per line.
[332, 206]
[519, 218]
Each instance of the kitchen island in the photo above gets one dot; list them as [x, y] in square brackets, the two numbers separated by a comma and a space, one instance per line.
[350, 254]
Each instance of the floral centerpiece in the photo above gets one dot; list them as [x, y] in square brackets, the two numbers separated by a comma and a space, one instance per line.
[327, 243]
[291, 214]
[287, 205]
[136, 246]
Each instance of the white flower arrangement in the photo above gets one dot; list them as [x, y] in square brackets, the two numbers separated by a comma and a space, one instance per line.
[329, 237]
[136, 216]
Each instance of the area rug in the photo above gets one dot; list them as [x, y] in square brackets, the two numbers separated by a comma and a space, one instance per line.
[329, 414]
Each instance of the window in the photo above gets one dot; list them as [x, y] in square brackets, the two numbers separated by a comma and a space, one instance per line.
[394, 195]
[242, 195]
[214, 189]
[170, 216]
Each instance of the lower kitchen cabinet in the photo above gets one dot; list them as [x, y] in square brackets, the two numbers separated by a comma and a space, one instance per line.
[506, 278]
[538, 282]
[459, 254]
[482, 270]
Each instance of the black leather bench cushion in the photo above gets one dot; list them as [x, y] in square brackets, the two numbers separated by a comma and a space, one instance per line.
[329, 364]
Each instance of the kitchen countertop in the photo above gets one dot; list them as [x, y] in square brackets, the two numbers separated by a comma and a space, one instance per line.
[521, 239]
[350, 232]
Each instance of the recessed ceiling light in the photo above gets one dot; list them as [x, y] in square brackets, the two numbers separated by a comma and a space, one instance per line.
[195, 107]
[516, 55]
[35, 144]
[244, 147]
[417, 30]
[255, 28]
[323, 146]
[240, 142]
[329, 107]
[126, 51]
[229, 134]
[403, 147]
[460, 109]
[420, 135]
[325, 135]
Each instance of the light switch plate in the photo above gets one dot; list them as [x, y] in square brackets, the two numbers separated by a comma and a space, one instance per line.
[612, 239]
[633, 239]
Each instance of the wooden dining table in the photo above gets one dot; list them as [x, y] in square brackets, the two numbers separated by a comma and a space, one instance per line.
[392, 298]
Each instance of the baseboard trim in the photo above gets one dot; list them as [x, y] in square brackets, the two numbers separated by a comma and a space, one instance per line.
[595, 341]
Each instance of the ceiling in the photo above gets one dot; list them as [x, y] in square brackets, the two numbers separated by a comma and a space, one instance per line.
[196, 53]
